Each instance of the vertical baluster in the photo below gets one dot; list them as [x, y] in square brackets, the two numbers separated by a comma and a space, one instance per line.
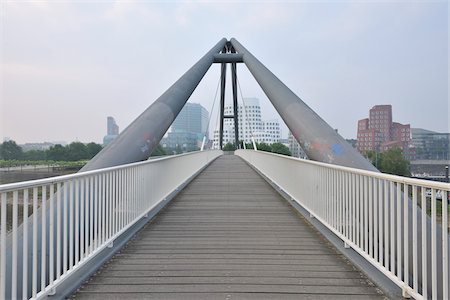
[51, 237]
[91, 214]
[357, 211]
[77, 222]
[15, 213]
[107, 204]
[366, 216]
[405, 234]
[87, 213]
[82, 221]
[392, 226]
[65, 227]
[96, 192]
[346, 205]
[370, 187]
[102, 209]
[25, 247]
[414, 236]
[35, 234]
[380, 222]
[3, 247]
[71, 220]
[44, 238]
[444, 244]
[399, 231]
[386, 224]
[433, 246]
[354, 208]
[424, 244]
[58, 230]
[375, 218]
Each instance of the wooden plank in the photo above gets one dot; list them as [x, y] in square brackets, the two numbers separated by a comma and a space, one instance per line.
[228, 235]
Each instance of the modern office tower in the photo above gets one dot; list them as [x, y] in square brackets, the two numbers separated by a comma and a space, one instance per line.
[188, 128]
[379, 133]
[112, 130]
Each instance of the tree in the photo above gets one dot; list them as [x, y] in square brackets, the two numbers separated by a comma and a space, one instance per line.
[393, 162]
[263, 147]
[229, 147]
[57, 152]
[280, 149]
[10, 150]
[374, 157]
[34, 155]
[158, 151]
[93, 149]
[77, 151]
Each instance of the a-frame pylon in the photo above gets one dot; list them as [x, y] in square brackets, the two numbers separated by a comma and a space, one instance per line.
[319, 140]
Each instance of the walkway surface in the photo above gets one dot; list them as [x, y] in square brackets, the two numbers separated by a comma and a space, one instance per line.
[228, 235]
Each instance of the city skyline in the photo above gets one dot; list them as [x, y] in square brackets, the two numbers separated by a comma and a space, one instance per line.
[60, 82]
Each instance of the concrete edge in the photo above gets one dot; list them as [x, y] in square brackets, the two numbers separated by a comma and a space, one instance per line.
[78, 278]
[389, 288]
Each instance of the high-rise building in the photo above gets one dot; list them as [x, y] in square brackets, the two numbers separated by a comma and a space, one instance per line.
[431, 145]
[192, 118]
[379, 133]
[188, 128]
[249, 124]
[112, 130]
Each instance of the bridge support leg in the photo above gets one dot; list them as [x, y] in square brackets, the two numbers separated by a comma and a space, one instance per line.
[235, 105]
[222, 102]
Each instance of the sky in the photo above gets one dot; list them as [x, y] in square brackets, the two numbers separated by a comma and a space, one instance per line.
[67, 65]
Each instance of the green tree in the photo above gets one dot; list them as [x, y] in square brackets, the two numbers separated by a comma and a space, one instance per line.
[280, 149]
[10, 150]
[229, 147]
[263, 147]
[93, 149]
[373, 157]
[77, 151]
[158, 151]
[35, 155]
[393, 162]
[57, 152]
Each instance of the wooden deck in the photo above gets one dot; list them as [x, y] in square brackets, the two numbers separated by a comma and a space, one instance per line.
[228, 235]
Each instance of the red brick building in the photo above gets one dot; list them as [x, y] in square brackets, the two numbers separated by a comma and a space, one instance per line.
[379, 133]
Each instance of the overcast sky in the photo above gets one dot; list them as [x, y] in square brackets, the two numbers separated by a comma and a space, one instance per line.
[67, 65]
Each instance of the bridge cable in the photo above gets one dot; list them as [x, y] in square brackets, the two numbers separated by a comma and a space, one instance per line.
[209, 119]
[246, 117]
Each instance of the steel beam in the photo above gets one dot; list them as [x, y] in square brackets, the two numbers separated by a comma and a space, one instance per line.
[228, 58]
[138, 140]
[317, 138]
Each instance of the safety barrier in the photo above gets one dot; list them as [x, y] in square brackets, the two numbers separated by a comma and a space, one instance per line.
[376, 214]
[74, 217]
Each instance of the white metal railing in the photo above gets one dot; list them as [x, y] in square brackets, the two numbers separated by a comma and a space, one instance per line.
[76, 216]
[376, 214]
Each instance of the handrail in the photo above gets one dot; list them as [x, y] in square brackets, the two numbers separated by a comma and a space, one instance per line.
[36, 182]
[376, 214]
[74, 217]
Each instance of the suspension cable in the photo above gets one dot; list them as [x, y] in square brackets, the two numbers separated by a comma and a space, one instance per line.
[210, 115]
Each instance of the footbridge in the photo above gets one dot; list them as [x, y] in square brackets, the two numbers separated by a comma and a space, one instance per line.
[215, 225]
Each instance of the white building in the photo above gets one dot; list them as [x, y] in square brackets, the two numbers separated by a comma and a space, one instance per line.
[295, 148]
[249, 123]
